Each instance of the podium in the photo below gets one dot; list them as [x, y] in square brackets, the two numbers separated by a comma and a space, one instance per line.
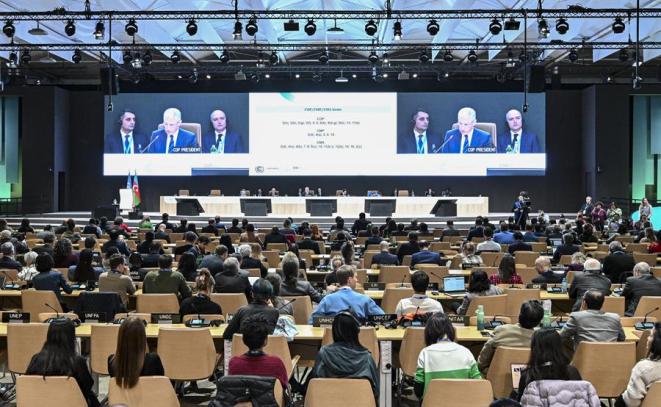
[445, 207]
[189, 207]
[256, 207]
[380, 207]
[321, 207]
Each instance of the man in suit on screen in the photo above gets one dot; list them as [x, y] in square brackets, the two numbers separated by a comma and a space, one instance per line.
[171, 138]
[419, 141]
[124, 141]
[221, 141]
[515, 139]
[466, 138]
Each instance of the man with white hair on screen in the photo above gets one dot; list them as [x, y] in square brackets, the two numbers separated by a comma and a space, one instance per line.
[466, 138]
[171, 138]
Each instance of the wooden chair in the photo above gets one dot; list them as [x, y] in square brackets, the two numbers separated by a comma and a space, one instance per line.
[527, 274]
[277, 246]
[527, 258]
[493, 305]
[199, 361]
[354, 392]
[103, 343]
[636, 248]
[392, 296]
[157, 303]
[306, 255]
[438, 246]
[647, 304]
[142, 315]
[275, 345]
[565, 260]
[641, 346]
[434, 272]
[413, 342]
[653, 396]
[458, 393]
[254, 272]
[272, 258]
[361, 276]
[34, 302]
[500, 371]
[368, 256]
[614, 304]
[366, 337]
[492, 259]
[229, 302]
[593, 359]
[516, 297]
[302, 308]
[538, 247]
[649, 258]
[394, 274]
[50, 391]
[23, 341]
[150, 391]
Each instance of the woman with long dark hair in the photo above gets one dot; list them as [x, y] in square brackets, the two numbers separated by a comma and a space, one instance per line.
[645, 373]
[478, 286]
[59, 357]
[506, 272]
[131, 360]
[84, 271]
[548, 360]
[63, 255]
[188, 266]
[293, 285]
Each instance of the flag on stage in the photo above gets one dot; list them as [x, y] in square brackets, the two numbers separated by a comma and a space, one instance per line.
[129, 185]
[136, 191]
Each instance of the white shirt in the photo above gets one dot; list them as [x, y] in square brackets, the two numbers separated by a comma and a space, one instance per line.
[130, 151]
[221, 146]
[516, 147]
[461, 144]
[174, 141]
[424, 142]
[426, 304]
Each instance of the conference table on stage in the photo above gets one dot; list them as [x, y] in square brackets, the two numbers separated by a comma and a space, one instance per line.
[347, 206]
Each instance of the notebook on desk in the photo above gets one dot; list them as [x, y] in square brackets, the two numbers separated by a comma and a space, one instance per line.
[454, 285]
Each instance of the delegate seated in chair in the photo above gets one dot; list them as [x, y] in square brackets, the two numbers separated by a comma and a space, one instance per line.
[172, 138]
[466, 138]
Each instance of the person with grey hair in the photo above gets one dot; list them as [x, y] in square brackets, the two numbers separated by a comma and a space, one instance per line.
[618, 262]
[643, 283]
[231, 281]
[249, 262]
[220, 140]
[590, 279]
[7, 257]
[590, 324]
[466, 138]
[172, 138]
[294, 286]
[29, 270]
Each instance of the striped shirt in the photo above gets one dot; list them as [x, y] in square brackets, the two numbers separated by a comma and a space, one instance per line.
[446, 360]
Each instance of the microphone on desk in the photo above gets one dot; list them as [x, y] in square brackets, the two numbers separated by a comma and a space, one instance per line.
[434, 151]
[642, 326]
[57, 313]
[493, 323]
[284, 305]
[150, 143]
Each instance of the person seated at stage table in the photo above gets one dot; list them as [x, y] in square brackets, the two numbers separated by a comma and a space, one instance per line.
[220, 140]
[645, 373]
[232, 280]
[577, 261]
[590, 279]
[488, 245]
[424, 256]
[346, 357]
[567, 247]
[7, 257]
[519, 244]
[274, 237]
[84, 271]
[250, 262]
[293, 285]
[166, 280]
[545, 275]
[161, 234]
[59, 357]
[49, 279]
[172, 138]
[468, 256]
[478, 286]
[420, 303]
[409, 247]
[375, 238]
[506, 272]
[249, 236]
[643, 283]
[201, 303]
[466, 138]
[515, 139]
[442, 358]
[513, 335]
[590, 324]
[307, 243]
[384, 257]
[505, 236]
[618, 262]
[345, 297]
[262, 291]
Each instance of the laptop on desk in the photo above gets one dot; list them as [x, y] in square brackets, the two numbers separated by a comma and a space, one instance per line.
[454, 285]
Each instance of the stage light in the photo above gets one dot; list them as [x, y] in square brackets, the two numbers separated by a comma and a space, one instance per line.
[147, 58]
[385, 75]
[618, 25]
[573, 55]
[9, 28]
[472, 57]
[323, 58]
[397, 31]
[623, 55]
[208, 76]
[415, 75]
[297, 76]
[70, 28]
[562, 26]
[77, 56]
[512, 24]
[354, 76]
[224, 57]
[543, 28]
[175, 57]
[267, 76]
[25, 57]
[448, 57]
[127, 57]
[136, 63]
[424, 57]
[251, 27]
[13, 60]
[273, 59]
[373, 58]
[310, 27]
[99, 30]
[131, 27]
[291, 25]
[386, 59]
[335, 30]
[495, 27]
[433, 27]
[238, 27]
[191, 27]
[371, 28]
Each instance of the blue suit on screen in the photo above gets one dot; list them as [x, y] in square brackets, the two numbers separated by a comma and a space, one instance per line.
[113, 143]
[406, 143]
[453, 139]
[529, 142]
[185, 139]
[232, 143]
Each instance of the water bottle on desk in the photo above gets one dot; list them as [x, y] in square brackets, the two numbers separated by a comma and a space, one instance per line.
[480, 317]
[546, 321]
[564, 284]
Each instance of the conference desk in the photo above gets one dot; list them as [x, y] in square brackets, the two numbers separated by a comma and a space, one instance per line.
[347, 206]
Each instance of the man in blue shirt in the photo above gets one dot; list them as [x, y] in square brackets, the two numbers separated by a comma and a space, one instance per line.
[424, 256]
[345, 297]
[504, 236]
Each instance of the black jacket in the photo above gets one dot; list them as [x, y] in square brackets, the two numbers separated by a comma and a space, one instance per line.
[299, 288]
[309, 244]
[270, 314]
[199, 304]
[250, 263]
[226, 240]
[233, 390]
[617, 263]
[232, 283]
[407, 248]
[564, 249]
[584, 281]
[274, 238]
[637, 287]
[386, 259]
[519, 246]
